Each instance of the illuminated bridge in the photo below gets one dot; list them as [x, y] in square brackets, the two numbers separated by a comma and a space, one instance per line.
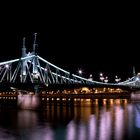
[32, 69]
[22, 79]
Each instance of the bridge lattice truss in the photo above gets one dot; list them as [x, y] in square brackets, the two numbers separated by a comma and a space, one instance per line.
[34, 68]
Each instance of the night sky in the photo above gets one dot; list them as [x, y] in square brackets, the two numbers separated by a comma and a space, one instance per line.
[75, 36]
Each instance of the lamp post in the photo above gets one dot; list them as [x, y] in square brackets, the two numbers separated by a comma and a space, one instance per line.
[101, 77]
[90, 77]
[117, 79]
[106, 79]
[80, 72]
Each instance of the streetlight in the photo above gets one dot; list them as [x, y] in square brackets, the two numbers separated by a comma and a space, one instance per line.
[106, 79]
[101, 77]
[80, 72]
[90, 77]
[117, 79]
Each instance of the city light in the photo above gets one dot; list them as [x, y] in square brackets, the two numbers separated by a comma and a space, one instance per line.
[106, 79]
[101, 77]
[80, 72]
[117, 79]
[90, 77]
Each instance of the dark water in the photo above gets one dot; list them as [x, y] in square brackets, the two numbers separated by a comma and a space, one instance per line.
[114, 121]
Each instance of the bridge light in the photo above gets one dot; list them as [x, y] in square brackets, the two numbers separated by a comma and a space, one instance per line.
[45, 69]
[137, 78]
[117, 79]
[24, 73]
[7, 66]
[80, 72]
[90, 77]
[101, 74]
[101, 77]
[106, 79]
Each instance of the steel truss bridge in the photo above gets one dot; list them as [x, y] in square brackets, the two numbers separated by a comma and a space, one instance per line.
[33, 69]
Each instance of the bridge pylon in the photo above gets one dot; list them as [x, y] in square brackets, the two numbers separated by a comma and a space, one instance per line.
[24, 63]
[31, 68]
[35, 61]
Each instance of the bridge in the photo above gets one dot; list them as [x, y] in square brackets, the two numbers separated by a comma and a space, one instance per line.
[33, 69]
[32, 72]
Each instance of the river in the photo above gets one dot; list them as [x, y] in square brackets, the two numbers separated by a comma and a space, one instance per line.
[82, 121]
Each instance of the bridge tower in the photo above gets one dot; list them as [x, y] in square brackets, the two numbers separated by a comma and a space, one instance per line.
[35, 65]
[23, 68]
[35, 68]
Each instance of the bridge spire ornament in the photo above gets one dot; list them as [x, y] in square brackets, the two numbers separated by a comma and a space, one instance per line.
[23, 48]
[35, 68]
[134, 71]
[35, 44]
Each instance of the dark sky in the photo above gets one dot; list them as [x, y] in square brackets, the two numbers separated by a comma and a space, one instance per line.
[94, 38]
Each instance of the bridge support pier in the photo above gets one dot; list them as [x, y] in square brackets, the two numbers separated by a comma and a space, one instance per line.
[135, 96]
[29, 101]
[36, 89]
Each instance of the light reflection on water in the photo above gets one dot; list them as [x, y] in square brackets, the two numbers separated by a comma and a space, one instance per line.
[115, 121]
